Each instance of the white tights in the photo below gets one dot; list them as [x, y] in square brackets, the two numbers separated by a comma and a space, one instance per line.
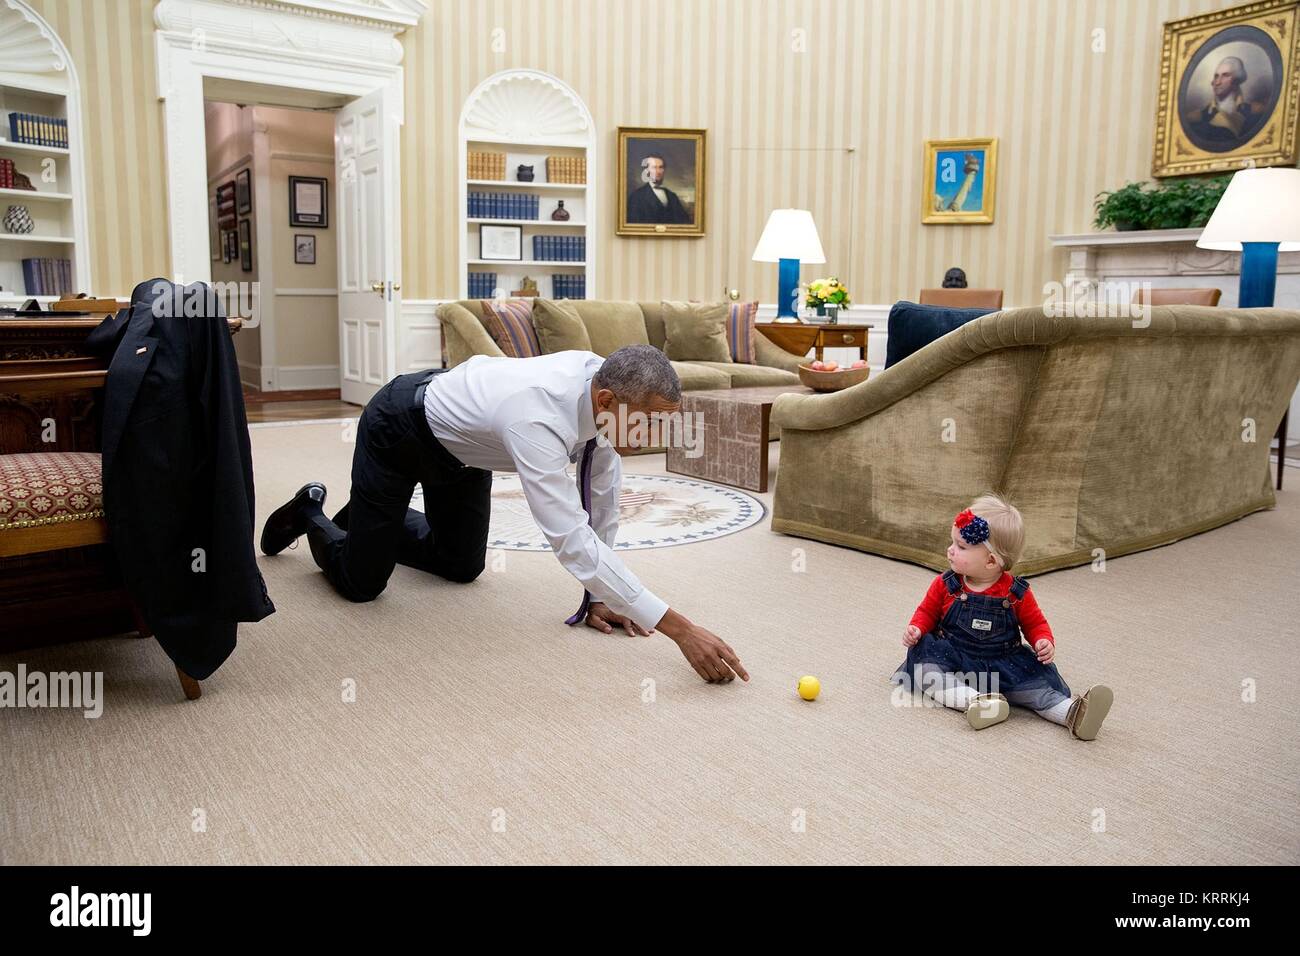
[958, 696]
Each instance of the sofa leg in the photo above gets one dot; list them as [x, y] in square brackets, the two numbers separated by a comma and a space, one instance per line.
[1281, 447]
[141, 627]
[188, 684]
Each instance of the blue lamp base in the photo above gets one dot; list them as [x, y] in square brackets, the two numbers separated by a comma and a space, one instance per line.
[787, 283]
[1258, 275]
[1258, 283]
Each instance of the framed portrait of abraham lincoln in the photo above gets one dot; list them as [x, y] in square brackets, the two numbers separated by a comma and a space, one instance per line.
[1229, 90]
[661, 182]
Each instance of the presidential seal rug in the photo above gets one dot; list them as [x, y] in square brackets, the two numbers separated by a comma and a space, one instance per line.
[655, 511]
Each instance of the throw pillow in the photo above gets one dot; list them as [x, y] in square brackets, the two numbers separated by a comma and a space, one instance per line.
[611, 325]
[510, 323]
[741, 332]
[696, 332]
[559, 329]
[912, 327]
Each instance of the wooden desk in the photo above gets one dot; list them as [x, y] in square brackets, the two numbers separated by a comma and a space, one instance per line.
[47, 375]
[798, 337]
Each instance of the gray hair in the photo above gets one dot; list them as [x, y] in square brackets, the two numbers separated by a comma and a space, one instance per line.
[637, 373]
[1238, 68]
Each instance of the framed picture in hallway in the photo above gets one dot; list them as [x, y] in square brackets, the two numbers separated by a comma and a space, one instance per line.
[304, 249]
[244, 192]
[246, 245]
[229, 245]
[1229, 90]
[226, 215]
[960, 176]
[214, 231]
[309, 202]
[661, 181]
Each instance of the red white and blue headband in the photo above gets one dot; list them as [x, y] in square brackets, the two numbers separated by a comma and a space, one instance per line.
[975, 530]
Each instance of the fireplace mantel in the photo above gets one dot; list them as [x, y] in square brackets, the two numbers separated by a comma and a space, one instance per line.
[1168, 258]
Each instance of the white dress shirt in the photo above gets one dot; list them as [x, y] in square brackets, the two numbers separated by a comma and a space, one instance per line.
[534, 416]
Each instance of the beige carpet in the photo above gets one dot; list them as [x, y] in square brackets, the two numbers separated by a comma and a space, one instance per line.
[486, 731]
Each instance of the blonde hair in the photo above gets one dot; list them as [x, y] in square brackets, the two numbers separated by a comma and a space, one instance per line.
[1006, 528]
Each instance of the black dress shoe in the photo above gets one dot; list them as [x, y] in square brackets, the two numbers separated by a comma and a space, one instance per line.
[289, 521]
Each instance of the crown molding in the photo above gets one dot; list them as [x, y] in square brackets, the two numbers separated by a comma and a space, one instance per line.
[393, 16]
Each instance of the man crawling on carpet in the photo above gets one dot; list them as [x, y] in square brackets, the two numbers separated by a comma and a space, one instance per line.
[449, 430]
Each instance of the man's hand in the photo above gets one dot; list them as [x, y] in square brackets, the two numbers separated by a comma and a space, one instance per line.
[1046, 650]
[604, 620]
[709, 654]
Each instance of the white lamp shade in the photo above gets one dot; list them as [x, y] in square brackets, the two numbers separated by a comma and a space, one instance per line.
[789, 234]
[1259, 205]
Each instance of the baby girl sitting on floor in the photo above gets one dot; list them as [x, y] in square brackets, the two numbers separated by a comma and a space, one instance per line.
[967, 632]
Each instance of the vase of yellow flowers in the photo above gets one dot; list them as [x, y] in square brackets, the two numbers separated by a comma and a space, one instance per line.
[827, 292]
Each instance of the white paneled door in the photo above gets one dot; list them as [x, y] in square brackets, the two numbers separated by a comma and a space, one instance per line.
[365, 151]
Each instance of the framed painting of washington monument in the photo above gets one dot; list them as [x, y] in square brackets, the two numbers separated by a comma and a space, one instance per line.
[1229, 90]
[960, 176]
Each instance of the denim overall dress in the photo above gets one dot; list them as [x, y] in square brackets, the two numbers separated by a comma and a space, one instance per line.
[979, 640]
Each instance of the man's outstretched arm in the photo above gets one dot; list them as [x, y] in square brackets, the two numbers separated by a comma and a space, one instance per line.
[552, 496]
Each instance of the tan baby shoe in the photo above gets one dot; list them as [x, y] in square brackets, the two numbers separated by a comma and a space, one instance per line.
[1087, 712]
[987, 710]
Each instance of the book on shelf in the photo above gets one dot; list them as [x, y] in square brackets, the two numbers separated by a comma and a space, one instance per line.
[482, 285]
[483, 165]
[566, 169]
[568, 286]
[480, 205]
[46, 276]
[33, 130]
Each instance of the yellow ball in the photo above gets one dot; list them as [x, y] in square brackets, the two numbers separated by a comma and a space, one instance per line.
[809, 687]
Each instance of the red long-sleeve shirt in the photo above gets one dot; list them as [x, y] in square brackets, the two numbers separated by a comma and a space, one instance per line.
[938, 599]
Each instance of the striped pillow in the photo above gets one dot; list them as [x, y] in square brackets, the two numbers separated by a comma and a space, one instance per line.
[740, 331]
[510, 323]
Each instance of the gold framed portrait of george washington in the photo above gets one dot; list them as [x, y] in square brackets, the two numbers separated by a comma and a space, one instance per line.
[661, 180]
[1229, 90]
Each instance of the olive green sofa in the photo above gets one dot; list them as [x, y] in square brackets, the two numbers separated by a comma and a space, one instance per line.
[1109, 437]
[612, 324]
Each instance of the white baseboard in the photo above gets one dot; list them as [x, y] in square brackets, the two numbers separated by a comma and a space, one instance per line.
[294, 377]
[250, 375]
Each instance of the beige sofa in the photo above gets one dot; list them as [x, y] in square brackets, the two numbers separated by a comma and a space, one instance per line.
[611, 324]
[1109, 438]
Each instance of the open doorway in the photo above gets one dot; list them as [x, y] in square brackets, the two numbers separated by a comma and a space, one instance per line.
[273, 231]
[286, 56]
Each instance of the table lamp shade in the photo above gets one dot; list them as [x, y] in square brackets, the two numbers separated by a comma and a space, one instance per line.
[1259, 205]
[789, 234]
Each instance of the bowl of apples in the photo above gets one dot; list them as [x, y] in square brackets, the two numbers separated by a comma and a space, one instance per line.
[831, 376]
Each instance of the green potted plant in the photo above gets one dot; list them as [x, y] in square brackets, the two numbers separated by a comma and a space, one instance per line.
[1127, 208]
[1176, 204]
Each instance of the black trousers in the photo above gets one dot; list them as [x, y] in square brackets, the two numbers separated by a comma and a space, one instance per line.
[377, 529]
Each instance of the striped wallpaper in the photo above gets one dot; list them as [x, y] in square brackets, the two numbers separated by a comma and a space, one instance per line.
[838, 128]
[111, 44]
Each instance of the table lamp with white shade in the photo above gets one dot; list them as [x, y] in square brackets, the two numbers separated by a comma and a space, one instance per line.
[1258, 215]
[790, 237]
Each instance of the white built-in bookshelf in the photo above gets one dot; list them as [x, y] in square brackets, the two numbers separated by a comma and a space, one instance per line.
[527, 116]
[37, 78]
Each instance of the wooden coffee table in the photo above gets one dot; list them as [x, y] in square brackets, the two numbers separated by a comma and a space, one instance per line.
[735, 435]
